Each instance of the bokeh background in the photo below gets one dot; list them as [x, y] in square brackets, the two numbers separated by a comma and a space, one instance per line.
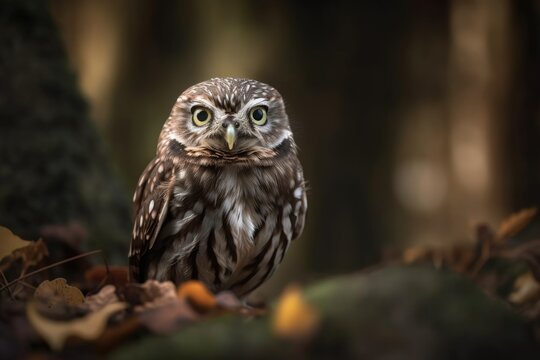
[415, 119]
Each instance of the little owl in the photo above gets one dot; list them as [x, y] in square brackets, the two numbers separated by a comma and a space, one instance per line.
[225, 196]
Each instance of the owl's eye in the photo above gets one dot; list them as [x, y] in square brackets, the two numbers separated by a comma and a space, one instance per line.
[258, 115]
[201, 116]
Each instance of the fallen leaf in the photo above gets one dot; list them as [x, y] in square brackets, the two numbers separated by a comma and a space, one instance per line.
[116, 275]
[169, 317]
[227, 300]
[528, 252]
[294, 318]
[32, 254]
[415, 254]
[10, 242]
[484, 233]
[56, 333]
[57, 291]
[198, 295]
[460, 258]
[150, 294]
[513, 224]
[107, 295]
[115, 334]
[526, 290]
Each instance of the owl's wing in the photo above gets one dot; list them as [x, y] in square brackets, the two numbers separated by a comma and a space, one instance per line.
[299, 206]
[300, 215]
[151, 201]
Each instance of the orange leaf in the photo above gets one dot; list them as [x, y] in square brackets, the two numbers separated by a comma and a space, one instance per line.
[513, 224]
[198, 295]
[294, 318]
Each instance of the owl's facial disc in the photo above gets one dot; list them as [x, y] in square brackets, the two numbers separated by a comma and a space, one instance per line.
[224, 130]
[229, 120]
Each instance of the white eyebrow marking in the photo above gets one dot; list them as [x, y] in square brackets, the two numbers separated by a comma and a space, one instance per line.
[202, 101]
[251, 103]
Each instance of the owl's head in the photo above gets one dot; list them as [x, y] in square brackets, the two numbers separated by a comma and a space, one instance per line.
[228, 118]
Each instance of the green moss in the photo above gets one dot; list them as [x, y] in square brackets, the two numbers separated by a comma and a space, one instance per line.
[394, 312]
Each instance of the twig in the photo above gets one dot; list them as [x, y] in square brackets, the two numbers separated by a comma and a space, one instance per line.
[19, 289]
[30, 286]
[105, 278]
[6, 282]
[50, 267]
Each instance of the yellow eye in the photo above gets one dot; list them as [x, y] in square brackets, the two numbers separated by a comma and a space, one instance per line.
[201, 116]
[258, 115]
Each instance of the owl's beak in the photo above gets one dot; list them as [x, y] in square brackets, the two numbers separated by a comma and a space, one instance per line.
[230, 136]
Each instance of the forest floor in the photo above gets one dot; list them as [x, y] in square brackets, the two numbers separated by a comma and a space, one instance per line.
[470, 301]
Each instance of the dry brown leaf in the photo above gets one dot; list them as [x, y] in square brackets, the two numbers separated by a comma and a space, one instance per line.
[10, 242]
[150, 294]
[294, 318]
[484, 233]
[57, 293]
[227, 300]
[526, 290]
[415, 254]
[169, 317]
[107, 295]
[460, 258]
[116, 275]
[528, 252]
[513, 224]
[32, 254]
[198, 295]
[56, 333]
[114, 334]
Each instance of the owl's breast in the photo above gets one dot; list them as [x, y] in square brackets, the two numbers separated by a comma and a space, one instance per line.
[229, 229]
[257, 213]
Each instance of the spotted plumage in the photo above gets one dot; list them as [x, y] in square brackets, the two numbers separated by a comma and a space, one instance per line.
[225, 196]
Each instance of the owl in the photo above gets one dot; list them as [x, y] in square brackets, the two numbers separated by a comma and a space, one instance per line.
[225, 195]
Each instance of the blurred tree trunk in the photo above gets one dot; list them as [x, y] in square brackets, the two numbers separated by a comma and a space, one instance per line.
[449, 173]
[478, 88]
[53, 168]
[521, 153]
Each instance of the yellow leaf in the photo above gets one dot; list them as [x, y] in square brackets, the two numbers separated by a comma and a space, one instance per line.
[294, 317]
[526, 290]
[198, 295]
[515, 223]
[56, 333]
[57, 292]
[10, 242]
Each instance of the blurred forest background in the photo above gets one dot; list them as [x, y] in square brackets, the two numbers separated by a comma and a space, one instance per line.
[415, 119]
